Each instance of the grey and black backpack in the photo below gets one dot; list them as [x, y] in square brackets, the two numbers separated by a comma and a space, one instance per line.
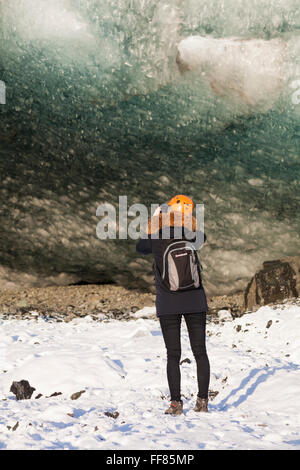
[181, 266]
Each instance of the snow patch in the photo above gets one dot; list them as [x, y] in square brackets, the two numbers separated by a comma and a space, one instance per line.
[255, 376]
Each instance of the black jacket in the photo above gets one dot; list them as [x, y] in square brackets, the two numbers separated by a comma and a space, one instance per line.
[167, 302]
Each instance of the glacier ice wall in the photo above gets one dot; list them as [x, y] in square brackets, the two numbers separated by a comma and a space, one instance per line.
[147, 99]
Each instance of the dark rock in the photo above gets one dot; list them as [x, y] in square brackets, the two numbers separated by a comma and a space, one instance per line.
[76, 395]
[185, 360]
[238, 328]
[236, 312]
[23, 310]
[269, 324]
[16, 426]
[38, 396]
[22, 390]
[114, 415]
[55, 394]
[275, 281]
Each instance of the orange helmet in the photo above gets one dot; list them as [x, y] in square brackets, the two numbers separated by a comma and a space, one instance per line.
[182, 204]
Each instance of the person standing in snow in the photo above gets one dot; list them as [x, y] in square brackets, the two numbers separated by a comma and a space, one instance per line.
[173, 240]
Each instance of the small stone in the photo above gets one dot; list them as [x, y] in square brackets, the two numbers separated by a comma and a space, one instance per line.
[15, 426]
[238, 328]
[76, 395]
[116, 312]
[55, 394]
[38, 396]
[69, 318]
[93, 302]
[114, 415]
[187, 360]
[269, 324]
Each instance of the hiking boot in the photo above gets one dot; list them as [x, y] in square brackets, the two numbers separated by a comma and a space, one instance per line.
[175, 408]
[201, 405]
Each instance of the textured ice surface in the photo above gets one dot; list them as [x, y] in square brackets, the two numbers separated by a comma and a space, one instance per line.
[97, 107]
[248, 71]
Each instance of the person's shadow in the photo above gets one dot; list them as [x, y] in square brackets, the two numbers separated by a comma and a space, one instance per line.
[262, 375]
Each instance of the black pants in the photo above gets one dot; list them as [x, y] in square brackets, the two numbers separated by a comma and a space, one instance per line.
[170, 325]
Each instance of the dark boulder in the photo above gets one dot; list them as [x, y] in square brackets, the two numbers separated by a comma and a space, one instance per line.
[22, 390]
[276, 281]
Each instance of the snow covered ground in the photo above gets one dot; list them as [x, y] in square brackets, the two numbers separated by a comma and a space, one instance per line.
[255, 367]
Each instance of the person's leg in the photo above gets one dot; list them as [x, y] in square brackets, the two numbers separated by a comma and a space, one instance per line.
[170, 326]
[196, 323]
